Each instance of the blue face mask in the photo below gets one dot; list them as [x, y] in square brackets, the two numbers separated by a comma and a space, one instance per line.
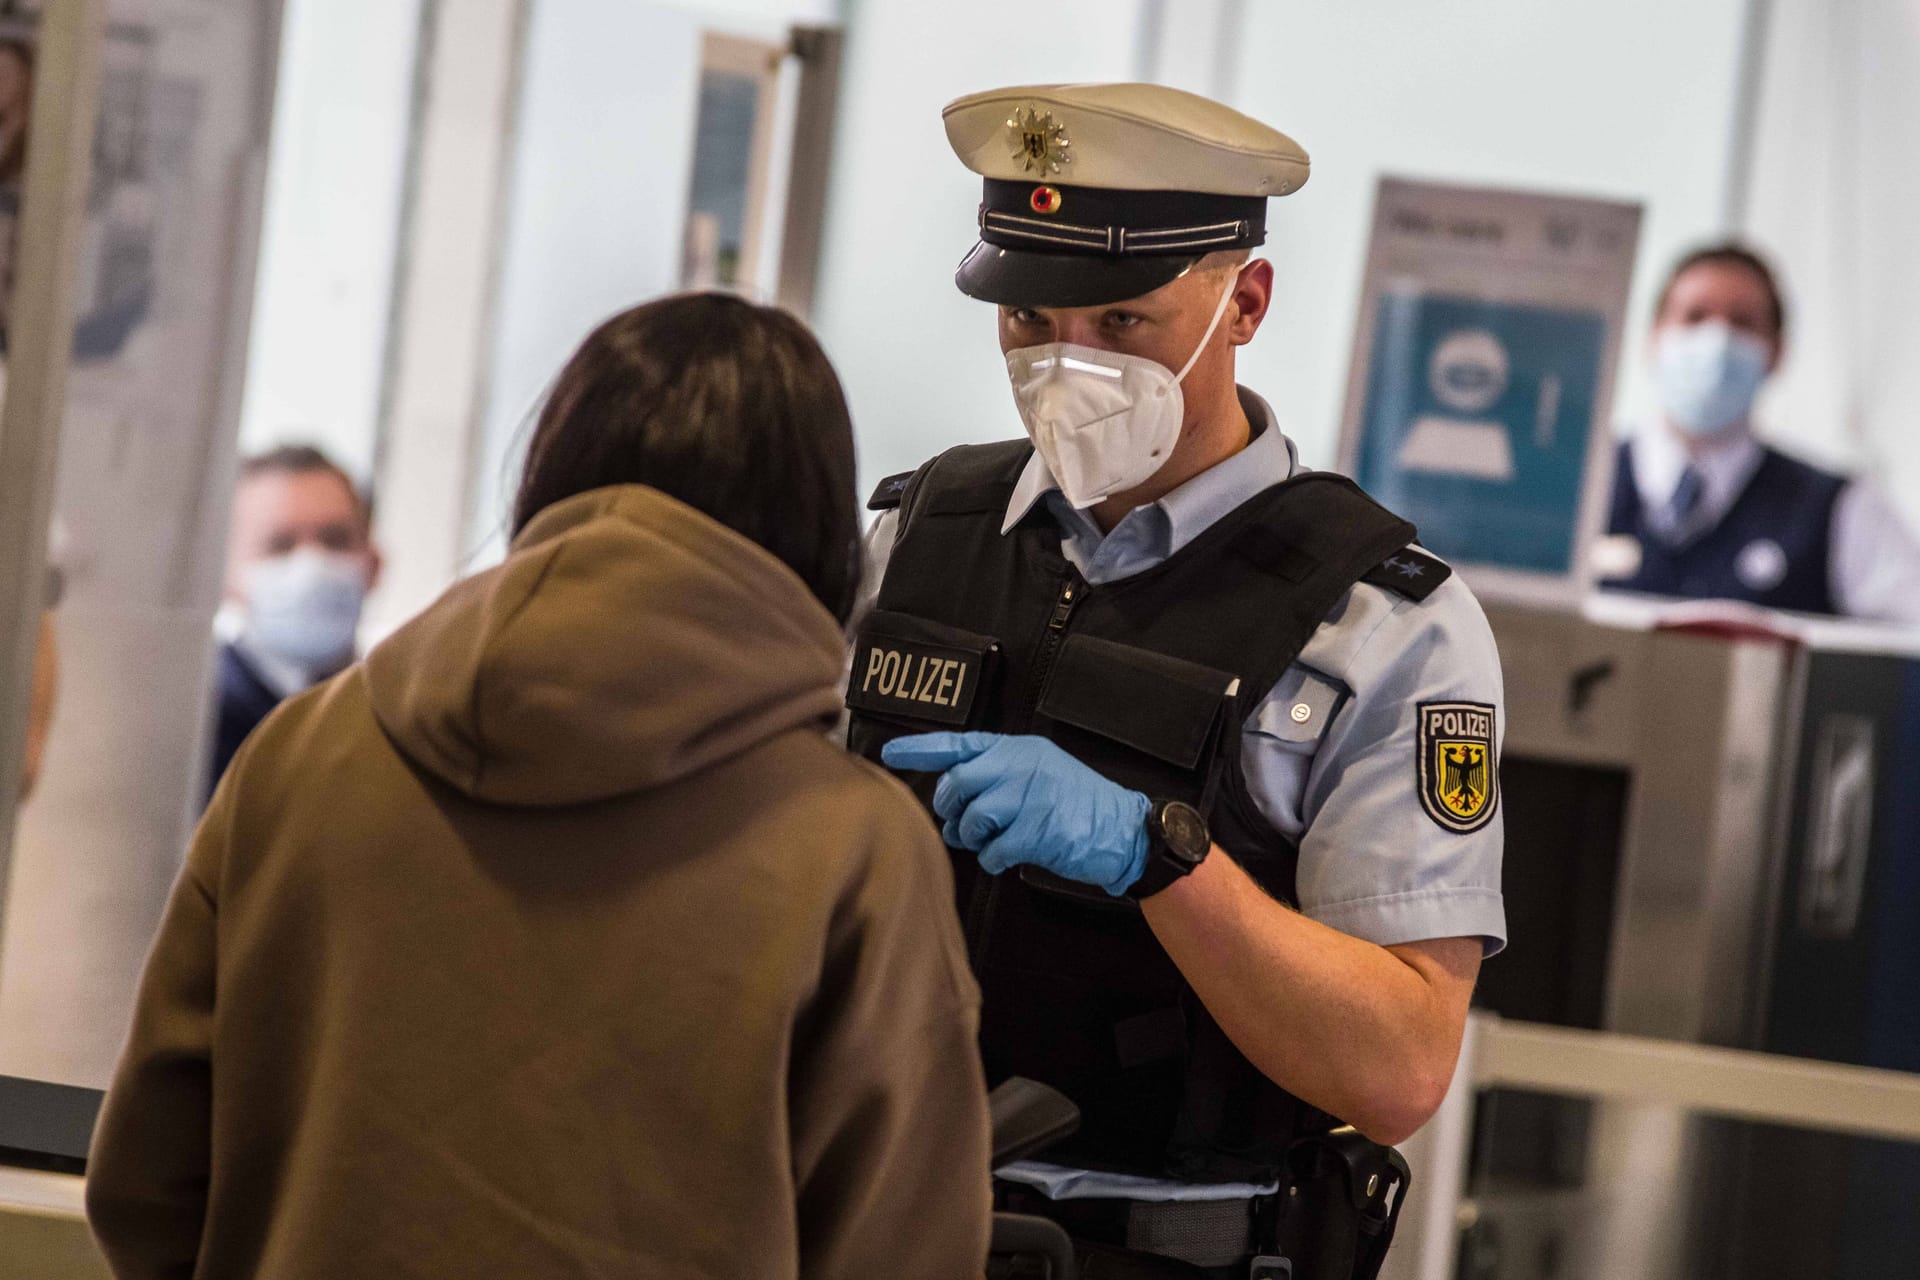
[1708, 375]
[303, 607]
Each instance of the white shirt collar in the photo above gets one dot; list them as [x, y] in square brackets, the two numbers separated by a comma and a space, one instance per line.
[1659, 459]
[282, 677]
[1036, 482]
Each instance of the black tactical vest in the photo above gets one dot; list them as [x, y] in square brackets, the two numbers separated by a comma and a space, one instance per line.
[1148, 680]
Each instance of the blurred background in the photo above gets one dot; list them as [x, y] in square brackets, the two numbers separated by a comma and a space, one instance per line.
[376, 228]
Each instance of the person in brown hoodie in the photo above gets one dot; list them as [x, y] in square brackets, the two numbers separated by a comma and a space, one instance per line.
[557, 939]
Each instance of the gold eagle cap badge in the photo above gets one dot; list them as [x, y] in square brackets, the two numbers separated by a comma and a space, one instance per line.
[1458, 775]
[1040, 143]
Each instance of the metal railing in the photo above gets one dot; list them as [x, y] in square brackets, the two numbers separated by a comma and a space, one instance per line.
[1735, 1084]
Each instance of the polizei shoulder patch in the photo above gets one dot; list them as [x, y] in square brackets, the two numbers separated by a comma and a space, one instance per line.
[1459, 783]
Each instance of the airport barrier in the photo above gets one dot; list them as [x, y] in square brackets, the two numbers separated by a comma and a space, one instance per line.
[1704, 1080]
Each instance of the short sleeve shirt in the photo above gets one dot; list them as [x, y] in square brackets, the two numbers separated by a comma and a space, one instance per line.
[1333, 754]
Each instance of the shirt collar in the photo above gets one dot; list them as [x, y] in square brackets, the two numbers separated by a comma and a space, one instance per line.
[1268, 459]
[1659, 458]
[282, 677]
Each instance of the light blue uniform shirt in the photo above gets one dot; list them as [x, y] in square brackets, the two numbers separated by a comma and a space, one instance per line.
[1331, 755]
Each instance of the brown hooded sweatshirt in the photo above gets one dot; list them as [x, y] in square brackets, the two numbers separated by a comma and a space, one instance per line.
[558, 940]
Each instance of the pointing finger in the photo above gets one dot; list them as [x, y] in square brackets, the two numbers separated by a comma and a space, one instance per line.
[934, 752]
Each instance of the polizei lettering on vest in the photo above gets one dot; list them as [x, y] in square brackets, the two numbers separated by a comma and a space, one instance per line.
[911, 677]
[1463, 724]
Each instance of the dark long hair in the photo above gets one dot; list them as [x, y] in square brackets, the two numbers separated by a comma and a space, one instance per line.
[727, 406]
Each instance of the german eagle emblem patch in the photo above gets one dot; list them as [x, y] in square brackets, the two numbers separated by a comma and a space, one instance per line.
[1459, 783]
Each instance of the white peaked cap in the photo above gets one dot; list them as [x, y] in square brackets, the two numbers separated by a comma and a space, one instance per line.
[1127, 137]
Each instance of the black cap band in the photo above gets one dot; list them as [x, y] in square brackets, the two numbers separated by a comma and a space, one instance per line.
[1054, 218]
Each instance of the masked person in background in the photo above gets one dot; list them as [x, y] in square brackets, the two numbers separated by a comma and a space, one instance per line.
[300, 562]
[1703, 509]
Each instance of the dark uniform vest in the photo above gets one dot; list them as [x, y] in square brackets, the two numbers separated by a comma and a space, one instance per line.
[1787, 503]
[1148, 680]
[242, 700]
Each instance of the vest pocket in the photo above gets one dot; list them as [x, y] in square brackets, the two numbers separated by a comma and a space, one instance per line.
[1168, 709]
[1159, 725]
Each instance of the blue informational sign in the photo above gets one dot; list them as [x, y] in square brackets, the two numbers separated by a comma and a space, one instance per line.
[1477, 423]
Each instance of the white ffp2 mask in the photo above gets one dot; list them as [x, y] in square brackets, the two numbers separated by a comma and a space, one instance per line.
[1103, 421]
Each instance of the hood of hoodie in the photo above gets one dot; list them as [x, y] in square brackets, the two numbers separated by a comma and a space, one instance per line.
[627, 641]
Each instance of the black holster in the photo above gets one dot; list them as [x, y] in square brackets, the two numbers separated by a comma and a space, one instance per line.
[1336, 1212]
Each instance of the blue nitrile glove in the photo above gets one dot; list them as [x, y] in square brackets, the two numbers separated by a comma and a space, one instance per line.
[1022, 799]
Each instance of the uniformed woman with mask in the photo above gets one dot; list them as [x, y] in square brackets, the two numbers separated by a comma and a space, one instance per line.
[1703, 509]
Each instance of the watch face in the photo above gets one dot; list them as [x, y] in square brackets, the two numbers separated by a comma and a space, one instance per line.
[1186, 831]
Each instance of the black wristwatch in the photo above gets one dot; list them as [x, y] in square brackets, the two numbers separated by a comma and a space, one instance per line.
[1177, 842]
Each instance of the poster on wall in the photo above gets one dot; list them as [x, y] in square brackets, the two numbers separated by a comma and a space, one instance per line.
[1478, 397]
[161, 278]
[142, 152]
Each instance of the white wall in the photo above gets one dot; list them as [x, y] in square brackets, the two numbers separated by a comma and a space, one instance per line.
[596, 195]
[441, 332]
[595, 200]
[1631, 99]
[315, 363]
[1628, 99]
[1833, 198]
[919, 359]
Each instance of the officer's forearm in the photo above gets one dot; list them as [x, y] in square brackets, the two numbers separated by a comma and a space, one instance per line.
[1367, 1033]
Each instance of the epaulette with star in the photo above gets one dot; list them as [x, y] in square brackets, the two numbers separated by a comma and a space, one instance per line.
[1409, 572]
[889, 493]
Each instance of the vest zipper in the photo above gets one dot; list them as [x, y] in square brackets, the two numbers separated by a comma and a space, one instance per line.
[986, 890]
[1070, 595]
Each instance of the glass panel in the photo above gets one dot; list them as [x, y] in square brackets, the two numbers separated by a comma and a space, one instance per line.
[733, 162]
[722, 156]
[146, 451]
[589, 231]
[332, 228]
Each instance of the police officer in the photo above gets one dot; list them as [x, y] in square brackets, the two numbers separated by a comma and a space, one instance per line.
[1702, 508]
[1213, 743]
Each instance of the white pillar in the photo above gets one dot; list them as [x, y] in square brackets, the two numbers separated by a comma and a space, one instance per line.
[443, 308]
